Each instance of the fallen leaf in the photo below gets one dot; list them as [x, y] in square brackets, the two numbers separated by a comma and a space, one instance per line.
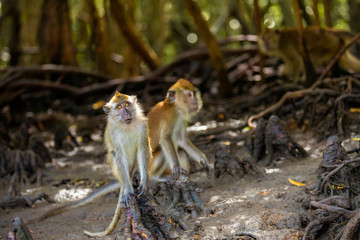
[296, 183]
[354, 110]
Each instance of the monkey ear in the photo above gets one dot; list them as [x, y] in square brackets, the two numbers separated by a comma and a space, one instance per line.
[134, 99]
[106, 109]
[172, 95]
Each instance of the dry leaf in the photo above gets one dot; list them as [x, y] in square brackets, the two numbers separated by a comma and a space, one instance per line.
[296, 183]
[354, 110]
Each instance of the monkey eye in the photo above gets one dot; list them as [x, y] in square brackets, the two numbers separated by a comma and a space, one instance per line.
[188, 93]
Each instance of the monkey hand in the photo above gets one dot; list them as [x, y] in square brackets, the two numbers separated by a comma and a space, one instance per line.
[208, 168]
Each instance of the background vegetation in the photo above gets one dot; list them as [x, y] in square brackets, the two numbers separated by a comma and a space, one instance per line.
[88, 33]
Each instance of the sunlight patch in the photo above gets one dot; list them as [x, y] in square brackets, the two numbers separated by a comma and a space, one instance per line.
[233, 200]
[71, 194]
[214, 198]
[272, 170]
[197, 127]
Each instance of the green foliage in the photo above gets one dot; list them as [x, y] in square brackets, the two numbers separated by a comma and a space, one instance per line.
[166, 25]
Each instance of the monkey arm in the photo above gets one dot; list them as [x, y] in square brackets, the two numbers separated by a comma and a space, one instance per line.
[171, 156]
[192, 150]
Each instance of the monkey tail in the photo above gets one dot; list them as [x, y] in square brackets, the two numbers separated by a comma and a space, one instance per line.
[112, 225]
[349, 62]
[110, 187]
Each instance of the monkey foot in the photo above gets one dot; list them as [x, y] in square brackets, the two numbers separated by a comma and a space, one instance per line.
[183, 194]
[145, 221]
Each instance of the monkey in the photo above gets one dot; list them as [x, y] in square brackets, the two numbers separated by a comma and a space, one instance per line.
[128, 149]
[167, 119]
[322, 45]
[169, 140]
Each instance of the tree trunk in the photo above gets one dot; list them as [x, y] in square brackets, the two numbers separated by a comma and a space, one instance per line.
[309, 68]
[304, 14]
[354, 13]
[328, 21]
[316, 13]
[54, 33]
[237, 11]
[11, 11]
[100, 41]
[214, 50]
[132, 36]
[132, 59]
[285, 6]
[258, 25]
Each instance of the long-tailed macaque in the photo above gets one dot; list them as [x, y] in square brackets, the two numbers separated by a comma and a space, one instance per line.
[127, 144]
[167, 132]
[168, 121]
[322, 46]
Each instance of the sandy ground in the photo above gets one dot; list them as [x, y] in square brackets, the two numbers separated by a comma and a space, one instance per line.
[266, 206]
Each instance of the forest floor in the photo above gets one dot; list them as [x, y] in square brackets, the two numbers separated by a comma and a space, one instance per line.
[267, 206]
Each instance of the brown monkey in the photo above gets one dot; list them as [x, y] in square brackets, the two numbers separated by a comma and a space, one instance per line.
[127, 144]
[168, 121]
[322, 45]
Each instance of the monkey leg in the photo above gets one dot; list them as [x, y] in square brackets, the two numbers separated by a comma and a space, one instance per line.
[113, 223]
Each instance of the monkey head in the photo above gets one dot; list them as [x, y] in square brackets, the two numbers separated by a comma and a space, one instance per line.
[123, 108]
[269, 41]
[186, 97]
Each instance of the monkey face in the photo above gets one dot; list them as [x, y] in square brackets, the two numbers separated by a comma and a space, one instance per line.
[122, 108]
[125, 111]
[191, 100]
[269, 41]
[186, 98]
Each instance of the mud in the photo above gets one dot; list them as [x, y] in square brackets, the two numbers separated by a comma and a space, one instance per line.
[265, 206]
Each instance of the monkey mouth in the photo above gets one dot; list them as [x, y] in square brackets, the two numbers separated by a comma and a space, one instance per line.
[128, 120]
[194, 108]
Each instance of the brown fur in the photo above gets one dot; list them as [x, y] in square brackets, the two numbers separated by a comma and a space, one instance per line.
[168, 121]
[322, 45]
